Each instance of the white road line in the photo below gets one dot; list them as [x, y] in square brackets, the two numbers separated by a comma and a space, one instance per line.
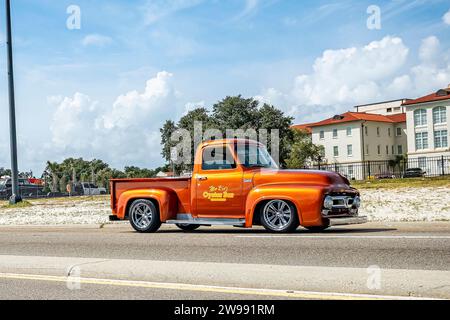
[206, 288]
[348, 237]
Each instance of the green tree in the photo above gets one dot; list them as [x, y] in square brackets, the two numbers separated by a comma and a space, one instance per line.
[271, 118]
[231, 113]
[303, 151]
[166, 132]
[135, 172]
[236, 113]
[5, 172]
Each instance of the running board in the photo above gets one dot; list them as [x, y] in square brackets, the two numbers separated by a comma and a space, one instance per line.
[188, 219]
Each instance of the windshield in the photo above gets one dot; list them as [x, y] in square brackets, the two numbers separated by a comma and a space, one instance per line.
[255, 156]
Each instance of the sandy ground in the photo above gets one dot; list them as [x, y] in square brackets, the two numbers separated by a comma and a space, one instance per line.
[407, 204]
[59, 212]
[394, 205]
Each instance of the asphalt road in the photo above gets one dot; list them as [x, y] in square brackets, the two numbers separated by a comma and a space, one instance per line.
[374, 260]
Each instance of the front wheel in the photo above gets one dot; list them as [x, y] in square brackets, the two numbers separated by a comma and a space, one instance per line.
[144, 217]
[279, 216]
[188, 227]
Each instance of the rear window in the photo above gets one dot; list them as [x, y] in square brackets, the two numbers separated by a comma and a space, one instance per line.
[218, 158]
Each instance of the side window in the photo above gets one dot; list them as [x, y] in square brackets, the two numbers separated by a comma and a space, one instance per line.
[218, 158]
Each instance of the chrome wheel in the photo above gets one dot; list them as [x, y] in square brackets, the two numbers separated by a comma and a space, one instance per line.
[141, 214]
[278, 215]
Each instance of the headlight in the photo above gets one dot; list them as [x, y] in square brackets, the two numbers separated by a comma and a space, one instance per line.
[357, 202]
[328, 203]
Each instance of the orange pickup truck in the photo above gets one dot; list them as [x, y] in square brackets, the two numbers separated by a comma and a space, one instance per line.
[237, 183]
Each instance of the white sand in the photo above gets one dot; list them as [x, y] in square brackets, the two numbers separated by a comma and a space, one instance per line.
[403, 204]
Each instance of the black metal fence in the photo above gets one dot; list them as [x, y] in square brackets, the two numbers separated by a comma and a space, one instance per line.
[431, 166]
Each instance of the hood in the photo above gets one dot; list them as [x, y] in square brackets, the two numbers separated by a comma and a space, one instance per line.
[313, 177]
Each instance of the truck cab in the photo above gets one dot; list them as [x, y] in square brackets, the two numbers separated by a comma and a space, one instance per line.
[236, 182]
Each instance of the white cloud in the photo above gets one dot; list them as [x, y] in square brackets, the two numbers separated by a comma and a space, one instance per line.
[190, 106]
[73, 121]
[133, 106]
[126, 133]
[346, 77]
[156, 10]
[96, 40]
[251, 7]
[350, 75]
[446, 18]
[430, 49]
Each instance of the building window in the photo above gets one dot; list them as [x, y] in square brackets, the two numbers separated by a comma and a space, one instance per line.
[420, 117]
[387, 149]
[389, 110]
[422, 162]
[366, 131]
[350, 150]
[336, 151]
[367, 149]
[322, 135]
[378, 131]
[349, 132]
[399, 132]
[379, 149]
[393, 150]
[389, 132]
[441, 139]
[439, 115]
[335, 133]
[400, 150]
[421, 140]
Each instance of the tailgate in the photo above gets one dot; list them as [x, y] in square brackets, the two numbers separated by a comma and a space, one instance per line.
[112, 188]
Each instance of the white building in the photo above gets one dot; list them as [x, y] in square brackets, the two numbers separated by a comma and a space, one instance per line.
[385, 108]
[428, 123]
[355, 137]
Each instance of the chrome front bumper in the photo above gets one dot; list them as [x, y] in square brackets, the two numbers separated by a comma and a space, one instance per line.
[347, 221]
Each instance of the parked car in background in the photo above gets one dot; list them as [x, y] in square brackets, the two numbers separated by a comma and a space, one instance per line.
[87, 189]
[26, 189]
[414, 173]
[385, 175]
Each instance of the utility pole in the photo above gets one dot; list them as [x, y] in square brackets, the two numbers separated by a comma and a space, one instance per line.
[15, 197]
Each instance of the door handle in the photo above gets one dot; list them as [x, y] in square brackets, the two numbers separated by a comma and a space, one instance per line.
[202, 178]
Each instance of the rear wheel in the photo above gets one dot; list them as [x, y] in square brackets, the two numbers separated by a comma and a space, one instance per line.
[279, 216]
[188, 227]
[144, 217]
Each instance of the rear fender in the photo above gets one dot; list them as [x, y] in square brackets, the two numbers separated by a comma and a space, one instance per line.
[166, 202]
[306, 199]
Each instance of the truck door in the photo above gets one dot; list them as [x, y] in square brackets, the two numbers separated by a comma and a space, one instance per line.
[219, 185]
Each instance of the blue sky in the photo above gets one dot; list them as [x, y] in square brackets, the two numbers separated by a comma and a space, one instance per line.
[104, 90]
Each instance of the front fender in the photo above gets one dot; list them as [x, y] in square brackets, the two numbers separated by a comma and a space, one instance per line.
[308, 201]
[166, 202]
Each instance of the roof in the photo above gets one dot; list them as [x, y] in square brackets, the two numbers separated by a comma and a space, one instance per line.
[358, 116]
[442, 94]
[304, 127]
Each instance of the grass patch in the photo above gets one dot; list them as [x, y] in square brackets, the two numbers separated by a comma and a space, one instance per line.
[23, 204]
[403, 183]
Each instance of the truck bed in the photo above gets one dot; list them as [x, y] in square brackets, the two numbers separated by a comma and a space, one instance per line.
[180, 187]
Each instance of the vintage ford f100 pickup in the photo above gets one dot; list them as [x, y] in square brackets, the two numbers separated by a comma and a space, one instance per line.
[227, 187]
